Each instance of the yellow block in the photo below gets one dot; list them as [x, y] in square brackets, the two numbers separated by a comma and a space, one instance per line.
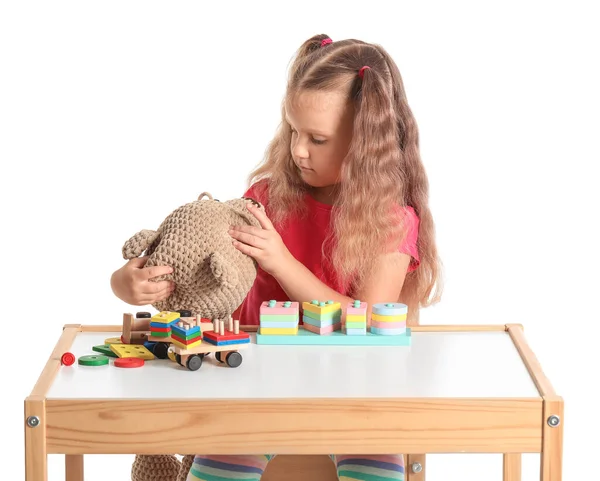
[189, 346]
[307, 306]
[279, 330]
[380, 318]
[113, 340]
[356, 318]
[132, 350]
[165, 317]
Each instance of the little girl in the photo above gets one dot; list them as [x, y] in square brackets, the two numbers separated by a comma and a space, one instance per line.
[346, 213]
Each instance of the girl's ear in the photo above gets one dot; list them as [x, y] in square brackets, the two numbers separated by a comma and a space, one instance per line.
[135, 246]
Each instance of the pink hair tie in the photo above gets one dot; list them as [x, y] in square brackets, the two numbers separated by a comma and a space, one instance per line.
[326, 41]
[361, 72]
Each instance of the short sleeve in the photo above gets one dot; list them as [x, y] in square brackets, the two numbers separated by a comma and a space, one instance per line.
[259, 191]
[409, 245]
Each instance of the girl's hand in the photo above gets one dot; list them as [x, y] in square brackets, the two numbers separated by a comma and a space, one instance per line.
[131, 283]
[263, 243]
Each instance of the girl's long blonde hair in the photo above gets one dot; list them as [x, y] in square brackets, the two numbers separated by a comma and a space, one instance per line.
[382, 168]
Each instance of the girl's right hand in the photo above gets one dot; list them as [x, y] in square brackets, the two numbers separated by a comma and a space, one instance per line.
[131, 283]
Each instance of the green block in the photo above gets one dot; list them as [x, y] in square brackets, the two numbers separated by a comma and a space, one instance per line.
[279, 318]
[336, 338]
[356, 324]
[159, 334]
[324, 317]
[104, 349]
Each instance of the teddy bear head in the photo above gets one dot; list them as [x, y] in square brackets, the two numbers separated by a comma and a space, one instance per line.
[211, 276]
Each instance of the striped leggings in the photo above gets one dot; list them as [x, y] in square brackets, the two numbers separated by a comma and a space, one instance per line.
[251, 468]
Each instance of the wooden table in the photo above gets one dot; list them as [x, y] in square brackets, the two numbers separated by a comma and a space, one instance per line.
[456, 389]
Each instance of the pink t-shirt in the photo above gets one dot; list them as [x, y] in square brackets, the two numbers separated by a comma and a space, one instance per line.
[304, 236]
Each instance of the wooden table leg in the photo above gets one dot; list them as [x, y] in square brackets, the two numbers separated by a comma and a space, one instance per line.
[415, 467]
[552, 439]
[36, 458]
[74, 467]
[511, 467]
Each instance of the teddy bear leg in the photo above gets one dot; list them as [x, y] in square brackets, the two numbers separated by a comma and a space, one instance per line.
[186, 464]
[155, 468]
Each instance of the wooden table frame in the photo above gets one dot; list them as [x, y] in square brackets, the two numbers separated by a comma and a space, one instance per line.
[353, 426]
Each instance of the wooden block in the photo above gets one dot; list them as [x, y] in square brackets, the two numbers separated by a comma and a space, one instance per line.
[126, 350]
[186, 346]
[279, 318]
[279, 308]
[127, 326]
[227, 336]
[327, 316]
[390, 309]
[282, 331]
[381, 318]
[322, 308]
[388, 325]
[323, 330]
[336, 338]
[320, 323]
[388, 332]
[165, 317]
[356, 308]
[353, 331]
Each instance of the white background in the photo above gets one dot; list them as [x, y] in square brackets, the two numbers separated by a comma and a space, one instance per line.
[112, 114]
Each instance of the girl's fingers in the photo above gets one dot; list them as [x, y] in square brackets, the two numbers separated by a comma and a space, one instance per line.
[261, 216]
[246, 249]
[249, 239]
[158, 288]
[249, 229]
[156, 271]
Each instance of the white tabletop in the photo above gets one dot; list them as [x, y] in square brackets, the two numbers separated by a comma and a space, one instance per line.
[437, 364]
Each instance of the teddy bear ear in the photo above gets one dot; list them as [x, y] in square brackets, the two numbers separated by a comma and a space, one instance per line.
[239, 207]
[135, 246]
[223, 270]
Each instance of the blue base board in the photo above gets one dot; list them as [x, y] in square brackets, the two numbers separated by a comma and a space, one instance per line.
[336, 338]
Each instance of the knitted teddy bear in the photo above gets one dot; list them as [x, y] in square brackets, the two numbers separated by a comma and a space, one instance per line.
[211, 279]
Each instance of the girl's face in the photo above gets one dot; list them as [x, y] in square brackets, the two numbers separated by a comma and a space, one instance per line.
[321, 124]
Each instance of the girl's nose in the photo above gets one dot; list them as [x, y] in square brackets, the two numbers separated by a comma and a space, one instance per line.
[299, 150]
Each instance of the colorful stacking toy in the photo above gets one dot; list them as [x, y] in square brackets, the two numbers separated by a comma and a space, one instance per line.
[322, 317]
[279, 318]
[161, 323]
[186, 334]
[389, 319]
[356, 319]
[221, 336]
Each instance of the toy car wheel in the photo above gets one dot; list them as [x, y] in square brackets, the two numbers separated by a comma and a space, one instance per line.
[161, 350]
[218, 356]
[178, 359]
[194, 362]
[234, 359]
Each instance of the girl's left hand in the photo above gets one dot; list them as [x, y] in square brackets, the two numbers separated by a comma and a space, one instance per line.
[263, 244]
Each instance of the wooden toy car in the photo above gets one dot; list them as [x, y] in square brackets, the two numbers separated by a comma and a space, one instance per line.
[186, 339]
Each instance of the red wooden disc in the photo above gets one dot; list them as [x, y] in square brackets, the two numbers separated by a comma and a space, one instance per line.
[67, 359]
[129, 362]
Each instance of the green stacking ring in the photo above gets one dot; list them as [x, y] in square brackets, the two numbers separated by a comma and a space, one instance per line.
[93, 360]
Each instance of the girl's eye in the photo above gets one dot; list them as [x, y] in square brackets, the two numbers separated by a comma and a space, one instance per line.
[316, 141]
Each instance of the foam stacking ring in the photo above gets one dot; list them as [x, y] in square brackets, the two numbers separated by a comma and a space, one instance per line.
[67, 359]
[129, 362]
[93, 360]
